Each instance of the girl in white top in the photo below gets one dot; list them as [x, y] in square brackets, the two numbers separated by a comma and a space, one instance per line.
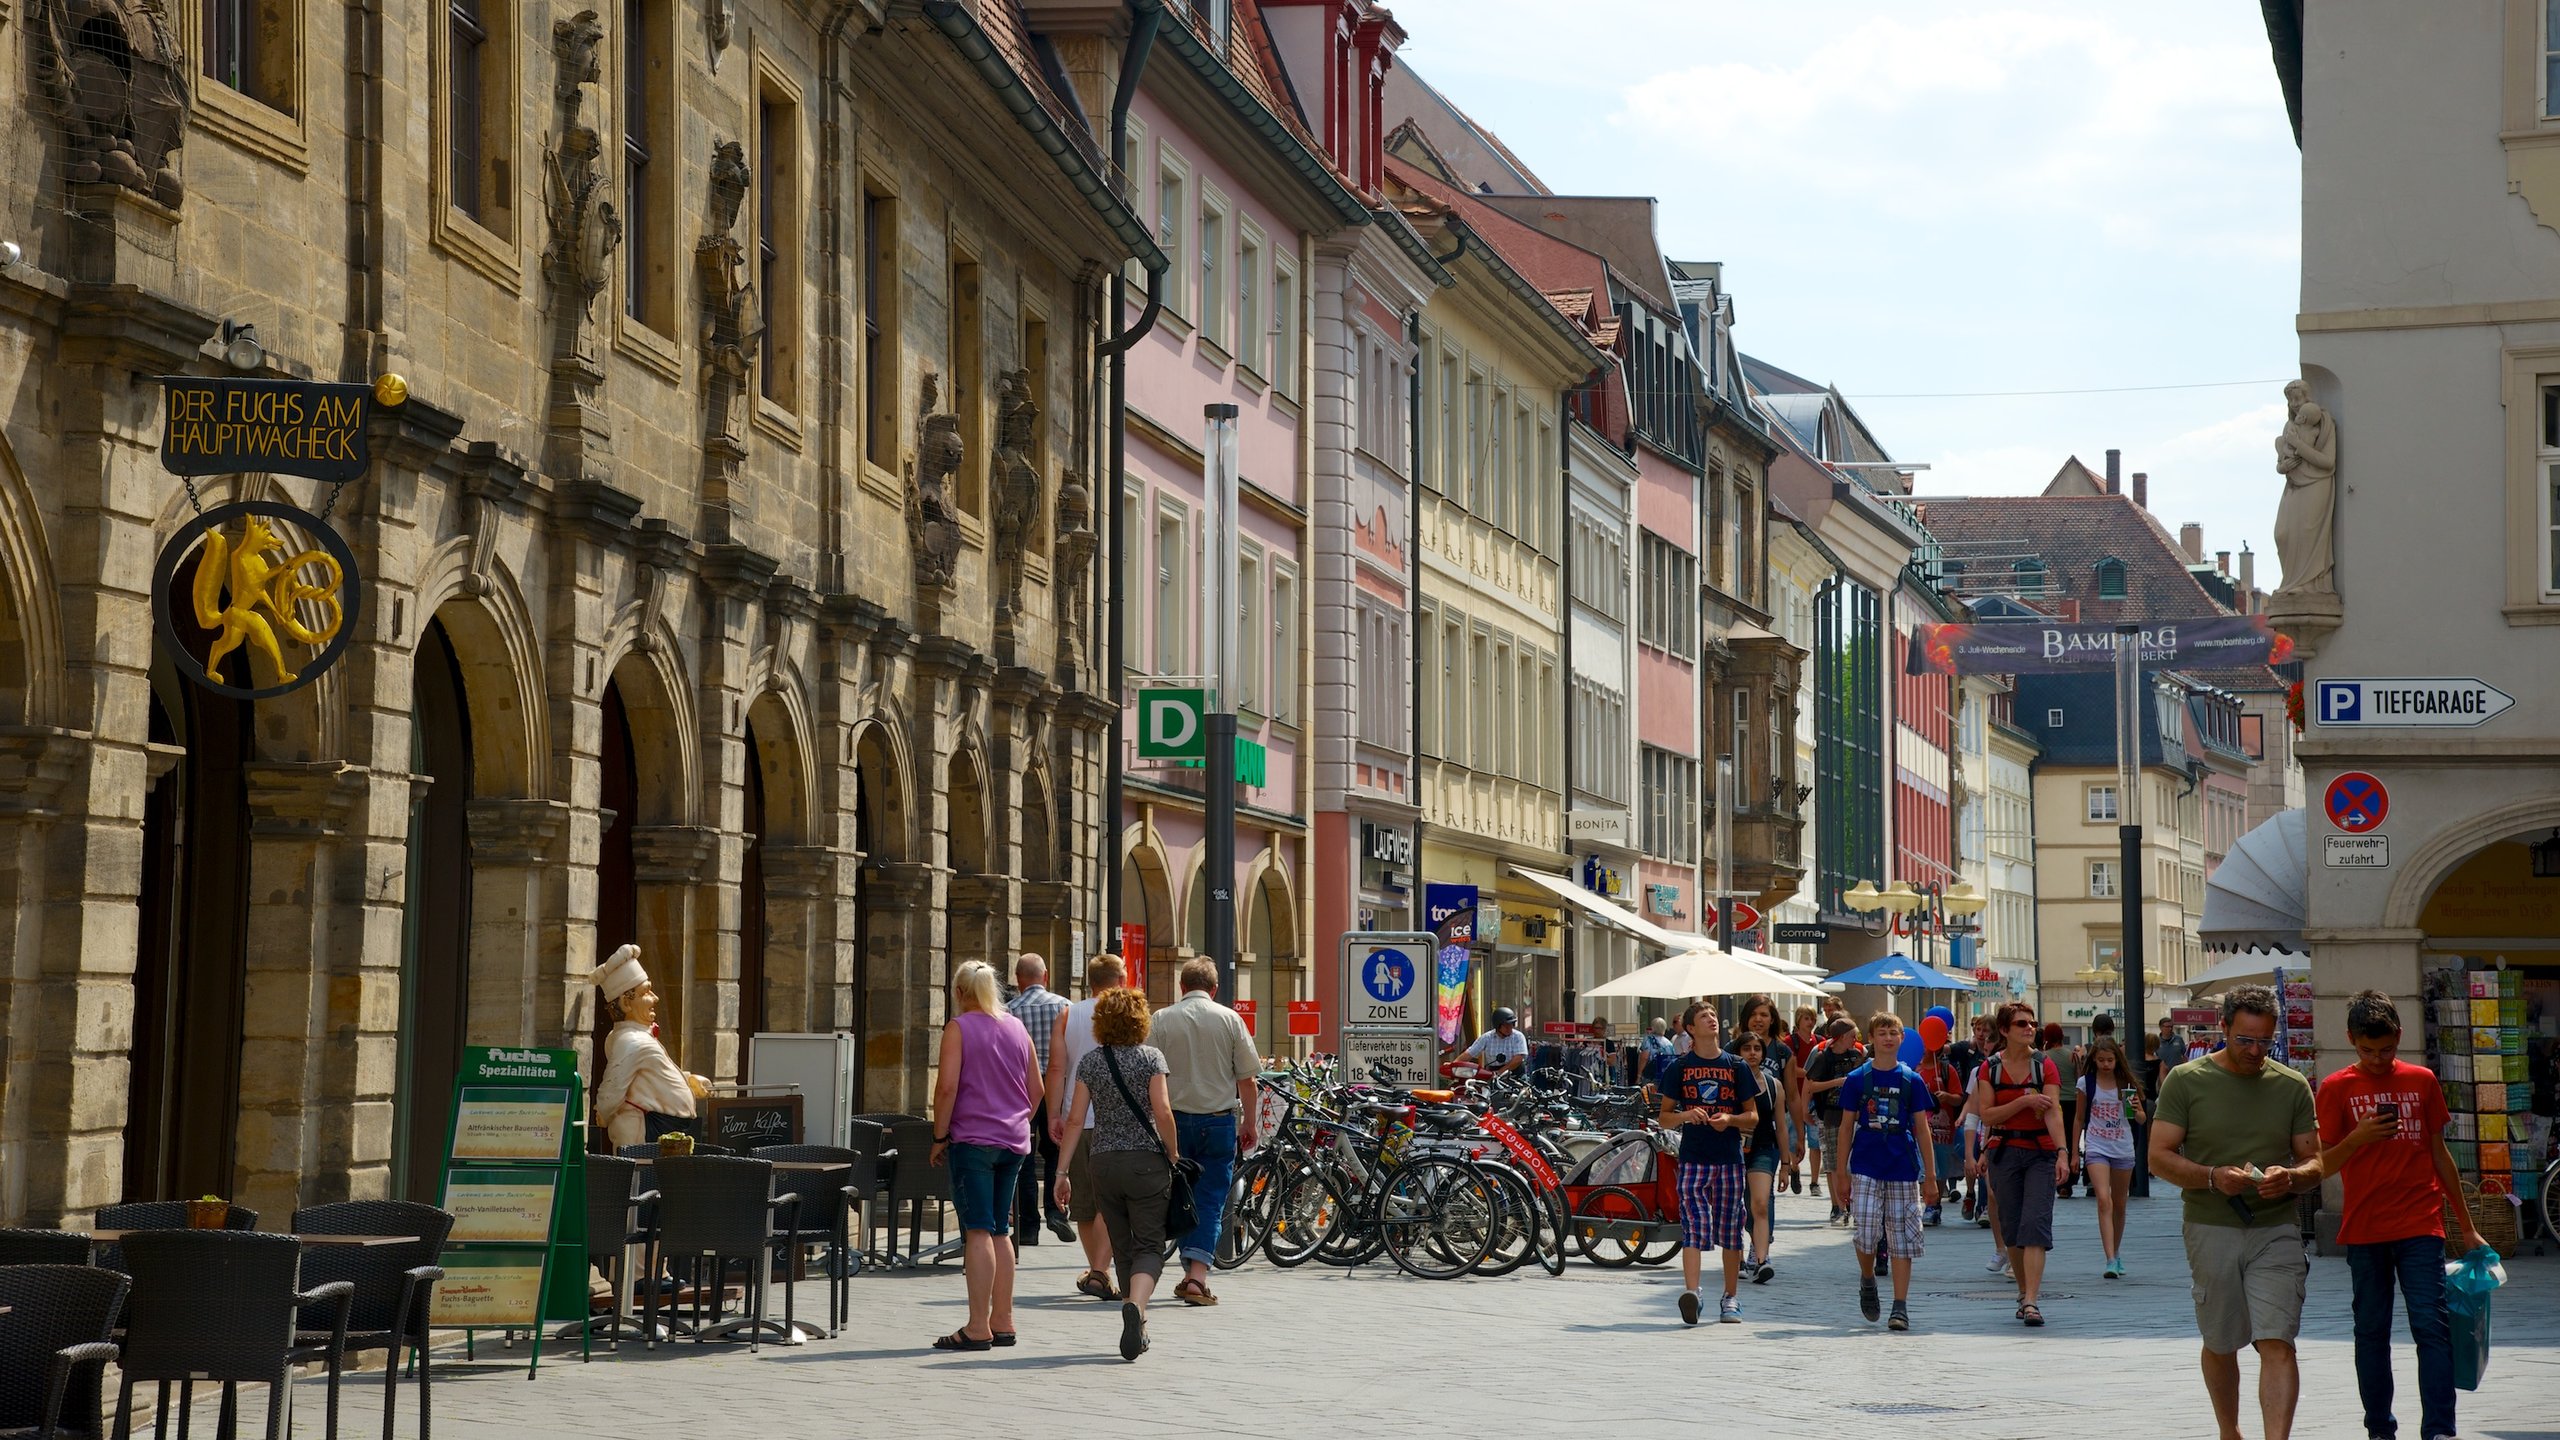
[2110, 1106]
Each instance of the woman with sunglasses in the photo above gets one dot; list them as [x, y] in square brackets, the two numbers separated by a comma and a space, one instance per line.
[2019, 1094]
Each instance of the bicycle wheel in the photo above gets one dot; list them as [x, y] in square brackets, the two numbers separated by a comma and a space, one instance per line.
[1515, 1231]
[1248, 1218]
[1437, 1218]
[1551, 1232]
[1609, 1202]
[1303, 1218]
[2550, 1203]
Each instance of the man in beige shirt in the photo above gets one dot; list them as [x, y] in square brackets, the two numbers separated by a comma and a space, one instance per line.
[1210, 1069]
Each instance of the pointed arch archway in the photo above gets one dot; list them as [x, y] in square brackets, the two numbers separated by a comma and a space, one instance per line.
[1148, 924]
[890, 889]
[1269, 969]
[779, 881]
[653, 851]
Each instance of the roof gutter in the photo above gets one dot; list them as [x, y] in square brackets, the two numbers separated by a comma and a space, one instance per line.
[1250, 109]
[1593, 357]
[1410, 242]
[961, 27]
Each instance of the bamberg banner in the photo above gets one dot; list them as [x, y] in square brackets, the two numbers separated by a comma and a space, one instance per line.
[2027, 647]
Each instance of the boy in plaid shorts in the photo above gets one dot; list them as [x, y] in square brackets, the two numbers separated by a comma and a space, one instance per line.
[1715, 1100]
[1884, 1142]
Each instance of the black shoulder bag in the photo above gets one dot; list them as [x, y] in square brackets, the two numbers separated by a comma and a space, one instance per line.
[1181, 1210]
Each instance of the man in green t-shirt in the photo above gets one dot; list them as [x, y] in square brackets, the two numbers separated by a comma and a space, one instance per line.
[2238, 1133]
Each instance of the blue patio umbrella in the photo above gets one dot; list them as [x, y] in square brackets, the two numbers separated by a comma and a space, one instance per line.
[1901, 972]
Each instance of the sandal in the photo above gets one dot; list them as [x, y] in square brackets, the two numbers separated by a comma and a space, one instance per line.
[2028, 1312]
[959, 1340]
[1097, 1285]
[1001, 1339]
[1194, 1292]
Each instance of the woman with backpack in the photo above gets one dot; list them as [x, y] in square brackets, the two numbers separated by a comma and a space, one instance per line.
[2019, 1095]
[2110, 1106]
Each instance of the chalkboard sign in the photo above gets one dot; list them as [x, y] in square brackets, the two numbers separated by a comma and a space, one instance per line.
[744, 1122]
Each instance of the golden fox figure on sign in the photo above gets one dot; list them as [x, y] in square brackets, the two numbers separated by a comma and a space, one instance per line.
[254, 585]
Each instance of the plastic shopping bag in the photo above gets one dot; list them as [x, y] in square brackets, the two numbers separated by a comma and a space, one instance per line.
[2468, 1284]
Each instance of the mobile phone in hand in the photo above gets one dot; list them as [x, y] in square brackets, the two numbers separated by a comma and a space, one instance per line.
[2387, 1110]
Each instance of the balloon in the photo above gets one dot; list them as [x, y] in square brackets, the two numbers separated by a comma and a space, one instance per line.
[1911, 1051]
[1941, 1014]
[1933, 1032]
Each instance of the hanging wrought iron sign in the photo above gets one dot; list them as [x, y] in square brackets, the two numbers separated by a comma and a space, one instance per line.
[273, 582]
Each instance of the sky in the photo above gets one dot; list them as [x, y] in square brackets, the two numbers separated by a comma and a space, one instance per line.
[1948, 196]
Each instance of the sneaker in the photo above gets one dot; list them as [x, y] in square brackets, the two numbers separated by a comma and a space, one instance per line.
[1867, 1300]
[1764, 1274]
[1901, 1316]
[1982, 1219]
[1059, 1227]
[2115, 1269]
[1133, 1332]
[1729, 1310]
[1929, 1216]
[1688, 1307]
[1968, 1207]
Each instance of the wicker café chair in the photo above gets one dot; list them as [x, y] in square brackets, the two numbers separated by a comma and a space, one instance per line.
[715, 1211]
[393, 1284]
[44, 1247]
[219, 1305]
[827, 1200]
[618, 1215]
[54, 1349]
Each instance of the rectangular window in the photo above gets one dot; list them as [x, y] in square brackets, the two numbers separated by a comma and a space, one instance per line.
[1249, 622]
[2547, 469]
[1538, 524]
[967, 381]
[1252, 337]
[879, 260]
[1173, 607]
[1544, 771]
[467, 56]
[1478, 437]
[249, 47]
[2551, 58]
[777, 178]
[1669, 794]
[1741, 750]
[1284, 326]
[2102, 879]
[1453, 441]
[1133, 559]
[1496, 510]
[1284, 642]
[1506, 721]
[1668, 610]
[1428, 639]
[1173, 214]
[1213, 270]
[1453, 702]
[2102, 804]
[648, 118]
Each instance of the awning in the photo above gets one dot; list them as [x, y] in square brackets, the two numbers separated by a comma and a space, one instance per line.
[2247, 970]
[1608, 913]
[2256, 899]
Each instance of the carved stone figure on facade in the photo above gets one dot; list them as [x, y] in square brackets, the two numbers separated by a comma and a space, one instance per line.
[577, 43]
[585, 230]
[2306, 607]
[732, 325]
[1074, 568]
[933, 521]
[1017, 484]
[116, 73]
[719, 25]
[2307, 457]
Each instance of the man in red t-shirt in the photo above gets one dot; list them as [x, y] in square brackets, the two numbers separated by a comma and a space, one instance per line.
[2382, 1124]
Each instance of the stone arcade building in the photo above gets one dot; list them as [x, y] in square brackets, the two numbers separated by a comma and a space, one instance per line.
[727, 576]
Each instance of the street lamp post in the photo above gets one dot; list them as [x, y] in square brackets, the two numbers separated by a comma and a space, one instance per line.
[1218, 635]
[1923, 910]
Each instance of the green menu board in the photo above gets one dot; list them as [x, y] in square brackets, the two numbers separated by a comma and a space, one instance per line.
[515, 1180]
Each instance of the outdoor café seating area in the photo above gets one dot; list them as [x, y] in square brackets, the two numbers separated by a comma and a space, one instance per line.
[131, 1321]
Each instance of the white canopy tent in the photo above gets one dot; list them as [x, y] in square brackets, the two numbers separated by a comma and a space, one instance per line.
[1693, 973]
[1670, 942]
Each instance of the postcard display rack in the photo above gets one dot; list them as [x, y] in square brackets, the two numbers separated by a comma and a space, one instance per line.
[515, 1182]
[2477, 1042]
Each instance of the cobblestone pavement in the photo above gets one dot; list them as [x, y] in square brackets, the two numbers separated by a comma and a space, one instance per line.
[1316, 1352]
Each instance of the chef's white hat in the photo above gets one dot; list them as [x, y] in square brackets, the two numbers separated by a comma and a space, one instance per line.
[621, 974]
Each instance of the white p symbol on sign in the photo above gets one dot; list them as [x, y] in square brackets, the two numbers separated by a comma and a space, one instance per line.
[2338, 702]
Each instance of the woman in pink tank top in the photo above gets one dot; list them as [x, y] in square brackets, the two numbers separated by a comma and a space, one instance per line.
[983, 1096]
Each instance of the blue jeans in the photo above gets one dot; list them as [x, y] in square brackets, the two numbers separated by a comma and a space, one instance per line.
[2418, 1266]
[1211, 1140]
[982, 1179]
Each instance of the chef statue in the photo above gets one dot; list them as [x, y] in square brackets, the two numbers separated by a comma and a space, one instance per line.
[643, 1095]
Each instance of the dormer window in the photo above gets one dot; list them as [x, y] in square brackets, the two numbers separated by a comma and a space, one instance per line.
[2111, 579]
[2028, 575]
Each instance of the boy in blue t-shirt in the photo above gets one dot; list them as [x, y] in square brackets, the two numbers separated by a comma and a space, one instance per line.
[1884, 1142]
[1715, 1100]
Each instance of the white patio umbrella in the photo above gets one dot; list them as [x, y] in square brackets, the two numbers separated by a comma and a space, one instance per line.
[1691, 973]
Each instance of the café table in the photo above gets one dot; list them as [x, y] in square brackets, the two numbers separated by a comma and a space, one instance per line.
[109, 1237]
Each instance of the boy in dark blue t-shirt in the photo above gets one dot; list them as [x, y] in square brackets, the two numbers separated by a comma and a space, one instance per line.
[1884, 1142]
[1715, 1100]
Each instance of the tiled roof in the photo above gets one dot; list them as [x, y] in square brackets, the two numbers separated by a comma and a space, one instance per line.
[1985, 537]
